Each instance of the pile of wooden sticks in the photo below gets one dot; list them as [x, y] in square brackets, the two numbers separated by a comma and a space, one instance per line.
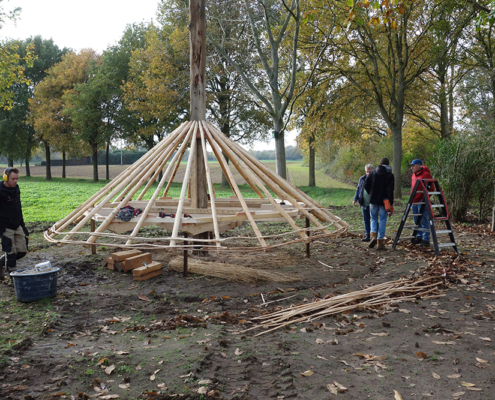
[371, 297]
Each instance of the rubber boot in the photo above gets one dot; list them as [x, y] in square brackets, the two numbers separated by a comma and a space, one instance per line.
[2, 267]
[11, 262]
[373, 240]
[381, 244]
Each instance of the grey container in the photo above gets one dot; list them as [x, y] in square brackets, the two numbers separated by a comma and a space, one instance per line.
[36, 286]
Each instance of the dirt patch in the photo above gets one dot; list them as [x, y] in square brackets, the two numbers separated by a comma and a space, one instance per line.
[105, 333]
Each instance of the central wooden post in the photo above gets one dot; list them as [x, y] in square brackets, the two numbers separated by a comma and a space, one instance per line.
[197, 41]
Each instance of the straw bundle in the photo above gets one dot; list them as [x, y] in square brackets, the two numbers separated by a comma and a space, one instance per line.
[374, 296]
[230, 272]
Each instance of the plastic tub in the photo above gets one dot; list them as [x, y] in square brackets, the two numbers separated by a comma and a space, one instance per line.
[35, 286]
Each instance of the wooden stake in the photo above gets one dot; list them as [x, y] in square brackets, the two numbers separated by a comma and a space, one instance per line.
[93, 226]
[308, 242]
[185, 255]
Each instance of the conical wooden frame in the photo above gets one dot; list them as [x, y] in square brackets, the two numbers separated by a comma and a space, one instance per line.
[277, 200]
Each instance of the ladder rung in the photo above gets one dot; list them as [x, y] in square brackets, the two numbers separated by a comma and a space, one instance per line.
[437, 205]
[443, 231]
[417, 228]
[440, 245]
[406, 237]
[420, 203]
[434, 192]
[415, 215]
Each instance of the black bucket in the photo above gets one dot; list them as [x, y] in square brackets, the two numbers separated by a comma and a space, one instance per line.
[35, 286]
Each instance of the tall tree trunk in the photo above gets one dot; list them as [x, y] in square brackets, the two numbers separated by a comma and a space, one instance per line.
[63, 165]
[48, 174]
[95, 164]
[281, 165]
[28, 169]
[225, 182]
[444, 117]
[312, 172]
[397, 154]
[107, 161]
[10, 162]
[451, 100]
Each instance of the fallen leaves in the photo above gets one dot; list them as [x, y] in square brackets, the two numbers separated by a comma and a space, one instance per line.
[436, 376]
[397, 395]
[307, 373]
[153, 377]
[486, 339]
[336, 388]
[110, 369]
[370, 357]
[421, 355]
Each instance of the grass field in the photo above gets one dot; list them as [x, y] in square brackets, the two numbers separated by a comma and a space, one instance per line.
[52, 200]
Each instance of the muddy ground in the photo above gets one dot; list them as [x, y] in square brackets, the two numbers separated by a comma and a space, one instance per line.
[106, 336]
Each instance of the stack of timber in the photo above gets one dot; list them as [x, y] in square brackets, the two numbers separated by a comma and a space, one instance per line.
[139, 263]
[197, 210]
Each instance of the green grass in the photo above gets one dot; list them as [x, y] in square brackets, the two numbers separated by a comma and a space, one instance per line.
[53, 200]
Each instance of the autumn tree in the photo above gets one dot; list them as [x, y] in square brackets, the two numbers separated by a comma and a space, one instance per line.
[157, 91]
[17, 135]
[229, 103]
[382, 54]
[54, 127]
[12, 64]
[271, 28]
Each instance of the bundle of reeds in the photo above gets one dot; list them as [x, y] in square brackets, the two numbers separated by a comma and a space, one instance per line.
[371, 297]
[229, 271]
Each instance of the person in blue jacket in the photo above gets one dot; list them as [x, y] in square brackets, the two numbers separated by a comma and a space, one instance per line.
[363, 198]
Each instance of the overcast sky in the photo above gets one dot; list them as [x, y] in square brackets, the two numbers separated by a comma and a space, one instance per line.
[94, 24]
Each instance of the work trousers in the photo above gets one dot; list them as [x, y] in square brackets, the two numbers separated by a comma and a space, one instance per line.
[14, 243]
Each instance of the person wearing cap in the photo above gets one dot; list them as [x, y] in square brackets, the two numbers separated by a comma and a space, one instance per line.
[363, 198]
[420, 171]
[380, 185]
[13, 231]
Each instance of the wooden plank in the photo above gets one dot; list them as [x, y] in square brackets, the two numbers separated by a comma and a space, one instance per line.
[123, 255]
[110, 264]
[145, 270]
[137, 261]
[148, 276]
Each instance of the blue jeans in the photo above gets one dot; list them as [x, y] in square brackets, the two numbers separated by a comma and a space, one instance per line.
[376, 211]
[366, 220]
[424, 223]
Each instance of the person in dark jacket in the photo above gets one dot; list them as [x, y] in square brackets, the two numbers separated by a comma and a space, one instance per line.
[363, 198]
[420, 171]
[380, 185]
[13, 231]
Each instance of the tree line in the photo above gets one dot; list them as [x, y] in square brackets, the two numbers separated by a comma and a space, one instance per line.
[359, 80]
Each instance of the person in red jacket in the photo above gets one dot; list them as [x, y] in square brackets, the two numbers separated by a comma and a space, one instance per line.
[420, 171]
